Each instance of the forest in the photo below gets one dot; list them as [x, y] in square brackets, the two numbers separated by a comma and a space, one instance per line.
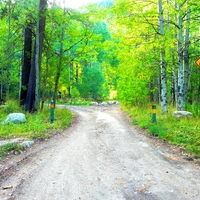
[135, 51]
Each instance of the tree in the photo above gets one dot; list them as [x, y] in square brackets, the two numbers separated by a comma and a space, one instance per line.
[26, 63]
[134, 25]
[163, 87]
[33, 97]
[91, 83]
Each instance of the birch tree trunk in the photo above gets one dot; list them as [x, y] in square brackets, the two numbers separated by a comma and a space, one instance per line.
[186, 57]
[180, 103]
[174, 78]
[163, 86]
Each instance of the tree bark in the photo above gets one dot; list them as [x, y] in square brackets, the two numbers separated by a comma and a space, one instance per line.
[8, 52]
[26, 66]
[186, 57]
[163, 89]
[39, 44]
[174, 79]
[45, 77]
[60, 62]
[32, 100]
[180, 103]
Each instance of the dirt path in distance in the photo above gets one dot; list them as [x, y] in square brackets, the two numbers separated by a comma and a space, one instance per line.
[100, 157]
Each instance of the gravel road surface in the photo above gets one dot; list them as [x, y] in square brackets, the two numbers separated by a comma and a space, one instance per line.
[100, 157]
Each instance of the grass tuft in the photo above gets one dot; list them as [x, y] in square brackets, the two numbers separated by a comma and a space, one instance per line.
[12, 148]
[184, 132]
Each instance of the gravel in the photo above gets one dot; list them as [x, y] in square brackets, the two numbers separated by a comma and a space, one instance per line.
[100, 157]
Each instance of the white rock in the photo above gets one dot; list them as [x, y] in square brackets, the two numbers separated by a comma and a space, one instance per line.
[15, 118]
[182, 114]
[111, 102]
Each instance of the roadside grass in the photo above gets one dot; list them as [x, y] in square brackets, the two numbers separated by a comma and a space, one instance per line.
[37, 126]
[184, 132]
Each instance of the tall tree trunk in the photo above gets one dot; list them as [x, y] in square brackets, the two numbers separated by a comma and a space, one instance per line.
[163, 89]
[174, 79]
[59, 67]
[60, 62]
[70, 79]
[26, 66]
[186, 57]
[45, 77]
[1, 92]
[39, 44]
[180, 103]
[57, 78]
[8, 52]
[32, 99]
[77, 74]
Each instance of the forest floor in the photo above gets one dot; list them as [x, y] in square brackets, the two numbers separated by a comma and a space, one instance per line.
[100, 157]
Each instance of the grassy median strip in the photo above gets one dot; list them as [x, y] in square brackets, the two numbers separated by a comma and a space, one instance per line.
[182, 132]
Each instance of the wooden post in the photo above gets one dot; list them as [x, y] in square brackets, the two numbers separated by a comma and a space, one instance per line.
[153, 108]
[154, 113]
[52, 108]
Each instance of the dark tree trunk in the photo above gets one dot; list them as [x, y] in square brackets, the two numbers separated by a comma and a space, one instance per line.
[77, 74]
[30, 98]
[38, 49]
[45, 77]
[26, 66]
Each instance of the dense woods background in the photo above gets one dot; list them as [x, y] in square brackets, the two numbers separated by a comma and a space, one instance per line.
[143, 51]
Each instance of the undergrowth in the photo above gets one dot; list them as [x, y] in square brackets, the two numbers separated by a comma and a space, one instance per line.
[37, 125]
[183, 132]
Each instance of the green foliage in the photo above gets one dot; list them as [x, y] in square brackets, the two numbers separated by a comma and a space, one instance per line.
[134, 29]
[101, 28]
[184, 132]
[10, 107]
[193, 108]
[91, 84]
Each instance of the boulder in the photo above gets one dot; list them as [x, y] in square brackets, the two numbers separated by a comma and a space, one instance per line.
[15, 118]
[113, 102]
[93, 103]
[27, 144]
[182, 114]
[103, 104]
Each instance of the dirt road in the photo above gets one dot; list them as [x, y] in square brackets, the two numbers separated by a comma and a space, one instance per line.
[101, 157]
